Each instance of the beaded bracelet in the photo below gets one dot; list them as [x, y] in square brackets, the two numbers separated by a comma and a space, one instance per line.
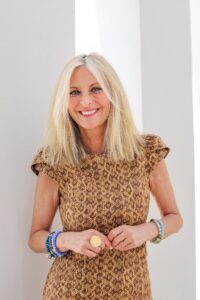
[160, 226]
[48, 244]
[51, 245]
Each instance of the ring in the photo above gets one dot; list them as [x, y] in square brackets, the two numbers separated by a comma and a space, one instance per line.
[95, 241]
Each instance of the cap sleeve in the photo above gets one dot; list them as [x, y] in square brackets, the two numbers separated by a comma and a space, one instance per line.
[156, 150]
[39, 164]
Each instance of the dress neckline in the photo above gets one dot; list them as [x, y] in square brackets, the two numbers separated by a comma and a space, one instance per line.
[96, 154]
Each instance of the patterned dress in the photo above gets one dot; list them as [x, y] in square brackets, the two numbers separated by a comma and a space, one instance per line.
[102, 194]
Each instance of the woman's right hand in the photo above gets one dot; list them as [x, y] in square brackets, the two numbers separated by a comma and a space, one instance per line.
[79, 242]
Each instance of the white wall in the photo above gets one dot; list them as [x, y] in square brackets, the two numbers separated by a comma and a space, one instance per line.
[37, 38]
[195, 39]
[167, 111]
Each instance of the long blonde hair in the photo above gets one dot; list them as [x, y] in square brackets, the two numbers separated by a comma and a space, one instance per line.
[62, 138]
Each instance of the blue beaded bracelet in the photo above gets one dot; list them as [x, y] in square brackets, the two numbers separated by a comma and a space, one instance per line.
[51, 245]
[160, 226]
[54, 237]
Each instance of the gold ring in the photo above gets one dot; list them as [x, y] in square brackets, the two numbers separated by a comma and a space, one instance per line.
[95, 241]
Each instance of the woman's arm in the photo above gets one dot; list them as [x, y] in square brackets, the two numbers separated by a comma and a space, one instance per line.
[45, 206]
[125, 237]
[162, 190]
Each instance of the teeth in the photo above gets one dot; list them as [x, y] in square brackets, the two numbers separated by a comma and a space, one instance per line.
[88, 112]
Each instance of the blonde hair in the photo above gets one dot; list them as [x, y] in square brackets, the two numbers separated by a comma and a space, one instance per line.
[62, 139]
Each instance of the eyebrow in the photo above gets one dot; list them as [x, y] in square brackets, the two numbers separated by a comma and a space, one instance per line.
[74, 87]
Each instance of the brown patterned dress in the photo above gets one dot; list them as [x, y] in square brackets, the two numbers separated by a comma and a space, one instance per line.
[103, 194]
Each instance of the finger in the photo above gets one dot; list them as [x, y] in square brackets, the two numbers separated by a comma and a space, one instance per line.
[104, 239]
[124, 245]
[95, 249]
[89, 253]
[120, 244]
[129, 246]
[114, 232]
[92, 248]
[102, 245]
[118, 239]
[106, 242]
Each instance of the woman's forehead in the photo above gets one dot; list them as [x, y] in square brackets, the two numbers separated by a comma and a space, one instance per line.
[82, 75]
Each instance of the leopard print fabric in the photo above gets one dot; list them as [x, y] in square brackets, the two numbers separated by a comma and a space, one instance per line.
[102, 194]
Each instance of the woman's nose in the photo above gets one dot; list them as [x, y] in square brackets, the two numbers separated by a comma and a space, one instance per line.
[86, 101]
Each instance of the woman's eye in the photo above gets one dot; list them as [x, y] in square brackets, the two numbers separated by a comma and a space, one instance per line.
[75, 92]
[96, 89]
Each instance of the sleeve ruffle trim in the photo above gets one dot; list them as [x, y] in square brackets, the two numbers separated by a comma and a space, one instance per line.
[39, 164]
[156, 150]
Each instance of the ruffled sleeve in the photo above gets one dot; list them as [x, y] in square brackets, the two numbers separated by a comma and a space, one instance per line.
[39, 164]
[156, 150]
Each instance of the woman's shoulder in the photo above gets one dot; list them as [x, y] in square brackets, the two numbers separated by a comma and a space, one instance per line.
[155, 148]
[150, 136]
[152, 141]
[40, 163]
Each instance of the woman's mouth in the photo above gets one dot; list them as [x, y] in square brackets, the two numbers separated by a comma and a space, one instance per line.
[89, 113]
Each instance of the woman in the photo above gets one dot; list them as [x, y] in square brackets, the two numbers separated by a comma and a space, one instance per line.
[97, 168]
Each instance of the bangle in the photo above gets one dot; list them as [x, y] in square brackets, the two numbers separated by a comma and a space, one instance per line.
[51, 247]
[54, 237]
[160, 226]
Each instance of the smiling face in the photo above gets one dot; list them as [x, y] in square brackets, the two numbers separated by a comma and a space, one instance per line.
[88, 105]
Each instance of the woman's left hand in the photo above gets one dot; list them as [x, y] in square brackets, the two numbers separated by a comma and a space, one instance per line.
[125, 237]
